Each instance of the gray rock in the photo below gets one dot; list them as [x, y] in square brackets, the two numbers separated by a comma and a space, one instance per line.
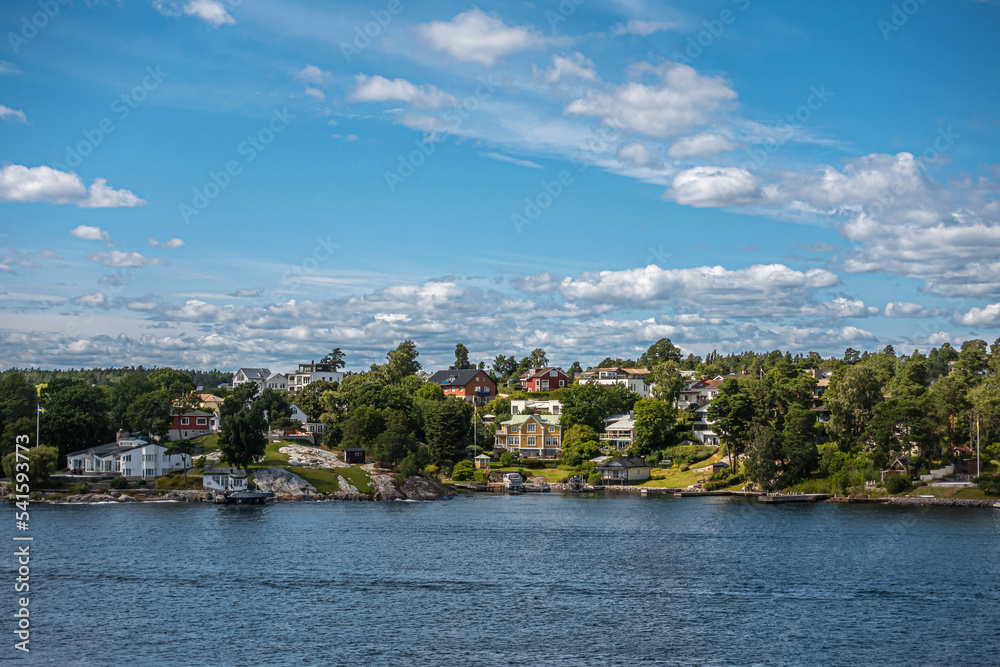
[385, 487]
[345, 491]
[421, 488]
[280, 482]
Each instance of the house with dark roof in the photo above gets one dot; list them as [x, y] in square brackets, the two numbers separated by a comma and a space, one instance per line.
[127, 457]
[472, 385]
[256, 375]
[626, 470]
[224, 478]
[543, 379]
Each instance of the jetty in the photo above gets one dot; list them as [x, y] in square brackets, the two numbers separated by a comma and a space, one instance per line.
[794, 498]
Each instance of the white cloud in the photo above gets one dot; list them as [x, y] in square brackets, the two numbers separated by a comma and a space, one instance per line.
[92, 233]
[170, 244]
[6, 113]
[681, 99]
[988, 317]
[839, 307]
[7, 68]
[907, 309]
[513, 160]
[379, 89]
[312, 75]
[119, 259]
[475, 36]
[115, 279]
[576, 67]
[314, 92]
[31, 184]
[95, 301]
[637, 155]
[700, 145]
[637, 27]
[211, 12]
[714, 187]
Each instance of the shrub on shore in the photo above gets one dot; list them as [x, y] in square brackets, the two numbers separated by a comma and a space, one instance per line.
[898, 484]
[119, 483]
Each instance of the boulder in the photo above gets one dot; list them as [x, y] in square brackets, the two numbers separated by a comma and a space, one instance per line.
[421, 488]
[345, 491]
[282, 483]
[385, 487]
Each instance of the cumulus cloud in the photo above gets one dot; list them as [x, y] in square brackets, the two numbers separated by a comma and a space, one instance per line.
[680, 99]
[840, 307]
[6, 113]
[380, 89]
[575, 67]
[478, 37]
[637, 155]
[700, 145]
[95, 301]
[211, 12]
[638, 27]
[32, 184]
[988, 316]
[714, 187]
[92, 233]
[123, 260]
[313, 75]
[170, 244]
[115, 279]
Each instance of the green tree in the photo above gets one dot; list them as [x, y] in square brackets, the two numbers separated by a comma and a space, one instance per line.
[243, 437]
[363, 426]
[400, 363]
[763, 450]
[76, 415]
[395, 443]
[310, 398]
[799, 443]
[538, 358]
[853, 393]
[504, 367]
[174, 383]
[667, 381]
[733, 412]
[124, 393]
[41, 464]
[659, 352]
[335, 359]
[448, 430]
[462, 358]
[182, 448]
[277, 407]
[590, 404]
[463, 471]
[149, 413]
[654, 422]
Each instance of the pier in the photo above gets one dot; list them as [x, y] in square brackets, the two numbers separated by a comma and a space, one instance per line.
[794, 498]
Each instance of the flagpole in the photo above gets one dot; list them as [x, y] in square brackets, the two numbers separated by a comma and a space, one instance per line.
[38, 422]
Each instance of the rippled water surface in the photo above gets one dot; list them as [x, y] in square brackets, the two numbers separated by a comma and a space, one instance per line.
[549, 580]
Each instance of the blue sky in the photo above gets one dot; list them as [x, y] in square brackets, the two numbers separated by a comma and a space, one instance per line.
[222, 184]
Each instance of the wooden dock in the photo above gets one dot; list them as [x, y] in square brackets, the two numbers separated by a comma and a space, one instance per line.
[794, 498]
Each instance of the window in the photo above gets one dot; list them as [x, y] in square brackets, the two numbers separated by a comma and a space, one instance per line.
[531, 427]
[553, 373]
[149, 472]
[127, 472]
[531, 441]
[562, 383]
[511, 428]
[185, 421]
[201, 421]
[552, 429]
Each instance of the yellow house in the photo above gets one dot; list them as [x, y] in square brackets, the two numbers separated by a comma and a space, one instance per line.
[532, 436]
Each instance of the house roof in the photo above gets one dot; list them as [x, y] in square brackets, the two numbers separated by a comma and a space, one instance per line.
[483, 456]
[255, 373]
[549, 420]
[625, 422]
[455, 378]
[539, 372]
[625, 462]
[224, 470]
[110, 449]
[195, 413]
[273, 375]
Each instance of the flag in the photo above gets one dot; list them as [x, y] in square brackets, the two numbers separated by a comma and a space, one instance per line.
[41, 410]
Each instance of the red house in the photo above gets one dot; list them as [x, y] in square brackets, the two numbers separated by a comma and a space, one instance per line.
[194, 423]
[543, 379]
[471, 385]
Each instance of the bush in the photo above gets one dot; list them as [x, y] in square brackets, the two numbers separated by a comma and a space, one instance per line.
[408, 467]
[464, 471]
[687, 454]
[595, 479]
[119, 483]
[141, 482]
[685, 468]
[506, 459]
[201, 462]
[989, 484]
[722, 480]
[898, 484]
[82, 487]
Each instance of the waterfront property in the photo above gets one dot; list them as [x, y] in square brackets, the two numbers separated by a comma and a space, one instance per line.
[193, 423]
[482, 461]
[619, 434]
[224, 478]
[354, 455]
[471, 385]
[129, 457]
[543, 379]
[626, 470]
[532, 436]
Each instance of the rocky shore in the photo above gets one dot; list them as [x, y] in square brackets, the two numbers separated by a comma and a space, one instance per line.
[942, 502]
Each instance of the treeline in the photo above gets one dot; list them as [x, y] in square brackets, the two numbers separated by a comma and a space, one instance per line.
[109, 376]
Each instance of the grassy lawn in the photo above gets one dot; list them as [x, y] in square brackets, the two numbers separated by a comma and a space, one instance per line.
[324, 480]
[176, 481]
[551, 475]
[953, 492]
[209, 443]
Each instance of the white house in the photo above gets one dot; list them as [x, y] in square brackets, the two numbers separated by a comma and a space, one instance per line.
[220, 478]
[312, 372]
[256, 375]
[633, 378]
[702, 426]
[298, 414]
[620, 433]
[127, 457]
[623, 471]
[276, 381]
